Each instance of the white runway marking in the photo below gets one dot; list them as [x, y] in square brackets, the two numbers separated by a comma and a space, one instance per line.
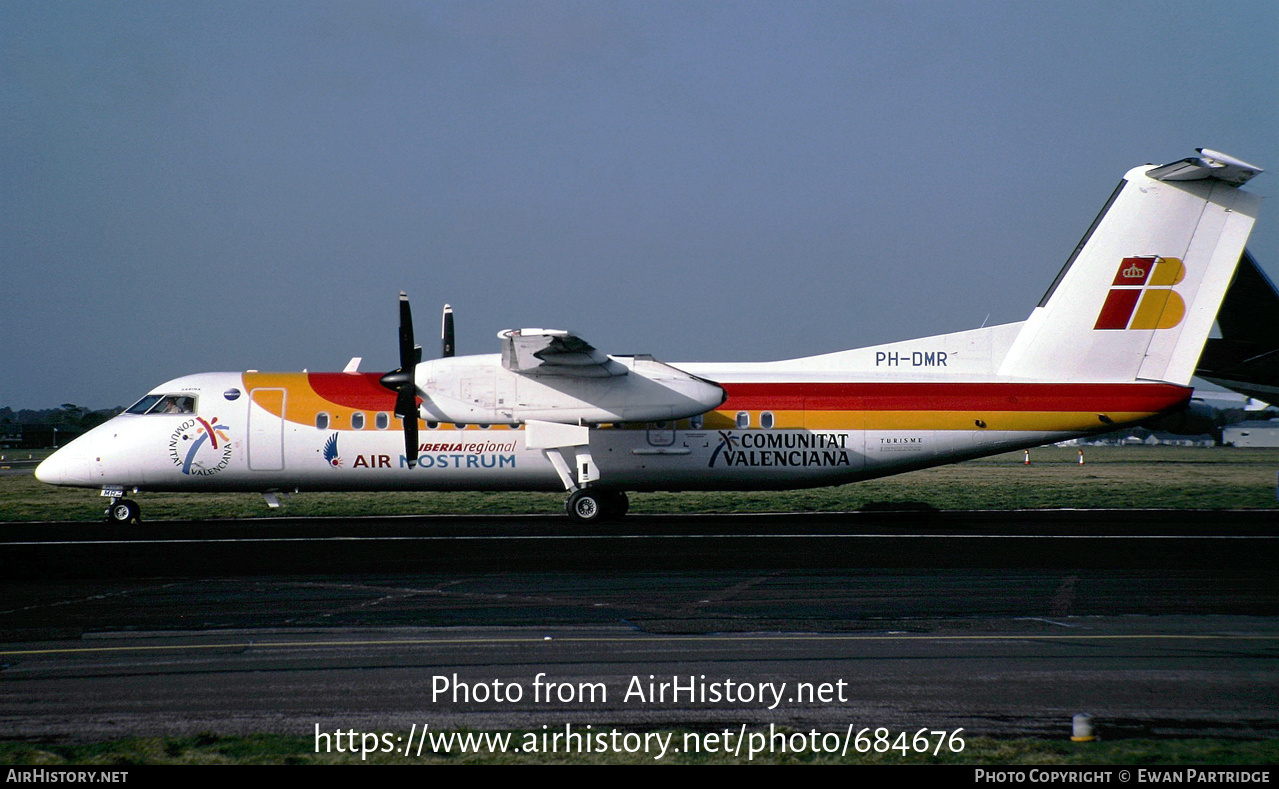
[581, 537]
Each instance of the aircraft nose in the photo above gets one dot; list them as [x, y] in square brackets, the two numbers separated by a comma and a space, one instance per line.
[64, 468]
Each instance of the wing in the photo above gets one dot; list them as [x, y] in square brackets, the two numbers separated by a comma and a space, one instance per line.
[555, 352]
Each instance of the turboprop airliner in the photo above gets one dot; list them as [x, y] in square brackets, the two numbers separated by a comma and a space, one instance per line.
[1114, 342]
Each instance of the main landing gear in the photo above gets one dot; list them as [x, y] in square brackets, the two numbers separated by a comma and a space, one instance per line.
[589, 505]
[123, 512]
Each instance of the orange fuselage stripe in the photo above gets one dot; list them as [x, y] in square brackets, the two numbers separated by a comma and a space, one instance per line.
[814, 406]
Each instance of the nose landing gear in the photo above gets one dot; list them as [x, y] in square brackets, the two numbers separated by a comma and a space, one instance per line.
[123, 512]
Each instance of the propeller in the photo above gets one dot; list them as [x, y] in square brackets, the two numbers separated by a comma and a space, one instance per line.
[402, 381]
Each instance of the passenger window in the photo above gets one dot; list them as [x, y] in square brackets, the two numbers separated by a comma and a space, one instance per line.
[357, 420]
[322, 421]
[766, 420]
[696, 422]
[383, 421]
[743, 420]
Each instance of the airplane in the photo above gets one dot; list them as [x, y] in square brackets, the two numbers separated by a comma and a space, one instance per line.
[1113, 342]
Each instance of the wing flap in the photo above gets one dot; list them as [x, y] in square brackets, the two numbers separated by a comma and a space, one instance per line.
[555, 352]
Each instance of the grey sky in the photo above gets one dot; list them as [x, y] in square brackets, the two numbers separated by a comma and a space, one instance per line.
[194, 186]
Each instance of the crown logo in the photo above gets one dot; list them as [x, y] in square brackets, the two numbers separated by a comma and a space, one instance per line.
[1134, 272]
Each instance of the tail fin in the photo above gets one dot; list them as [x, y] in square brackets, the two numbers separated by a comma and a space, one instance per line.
[1139, 295]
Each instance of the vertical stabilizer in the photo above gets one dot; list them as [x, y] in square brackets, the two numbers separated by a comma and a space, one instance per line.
[1139, 295]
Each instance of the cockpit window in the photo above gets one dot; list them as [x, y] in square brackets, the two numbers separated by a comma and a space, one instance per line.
[144, 405]
[164, 404]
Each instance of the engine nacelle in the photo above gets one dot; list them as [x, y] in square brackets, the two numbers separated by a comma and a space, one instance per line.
[481, 390]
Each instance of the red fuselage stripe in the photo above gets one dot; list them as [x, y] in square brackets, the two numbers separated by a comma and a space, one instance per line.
[363, 391]
[954, 397]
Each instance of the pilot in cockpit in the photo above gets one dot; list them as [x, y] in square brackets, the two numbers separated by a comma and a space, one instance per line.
[178, 404]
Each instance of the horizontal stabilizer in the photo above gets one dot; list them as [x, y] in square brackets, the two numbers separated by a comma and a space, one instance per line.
[1209, 164]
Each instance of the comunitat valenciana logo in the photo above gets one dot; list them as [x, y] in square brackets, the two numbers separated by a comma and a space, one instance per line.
[200, 447]
[1142, 295]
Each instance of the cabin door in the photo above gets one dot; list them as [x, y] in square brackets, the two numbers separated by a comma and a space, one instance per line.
[266, 429]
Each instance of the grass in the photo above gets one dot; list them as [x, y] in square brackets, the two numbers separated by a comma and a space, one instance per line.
[212, 749]
[1112, 477]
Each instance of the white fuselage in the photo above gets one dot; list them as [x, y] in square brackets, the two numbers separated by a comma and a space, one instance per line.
[783, 425]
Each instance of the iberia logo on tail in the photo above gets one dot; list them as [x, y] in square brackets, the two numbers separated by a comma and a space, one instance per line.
[1141, 297]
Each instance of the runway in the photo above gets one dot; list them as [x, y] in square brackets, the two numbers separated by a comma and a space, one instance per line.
[1157, 623]
[1032, 538]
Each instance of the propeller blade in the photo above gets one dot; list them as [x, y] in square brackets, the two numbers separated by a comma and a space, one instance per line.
[410, 354]
[403, 381]
[446, 333]
[410, 439]
[406, 401]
